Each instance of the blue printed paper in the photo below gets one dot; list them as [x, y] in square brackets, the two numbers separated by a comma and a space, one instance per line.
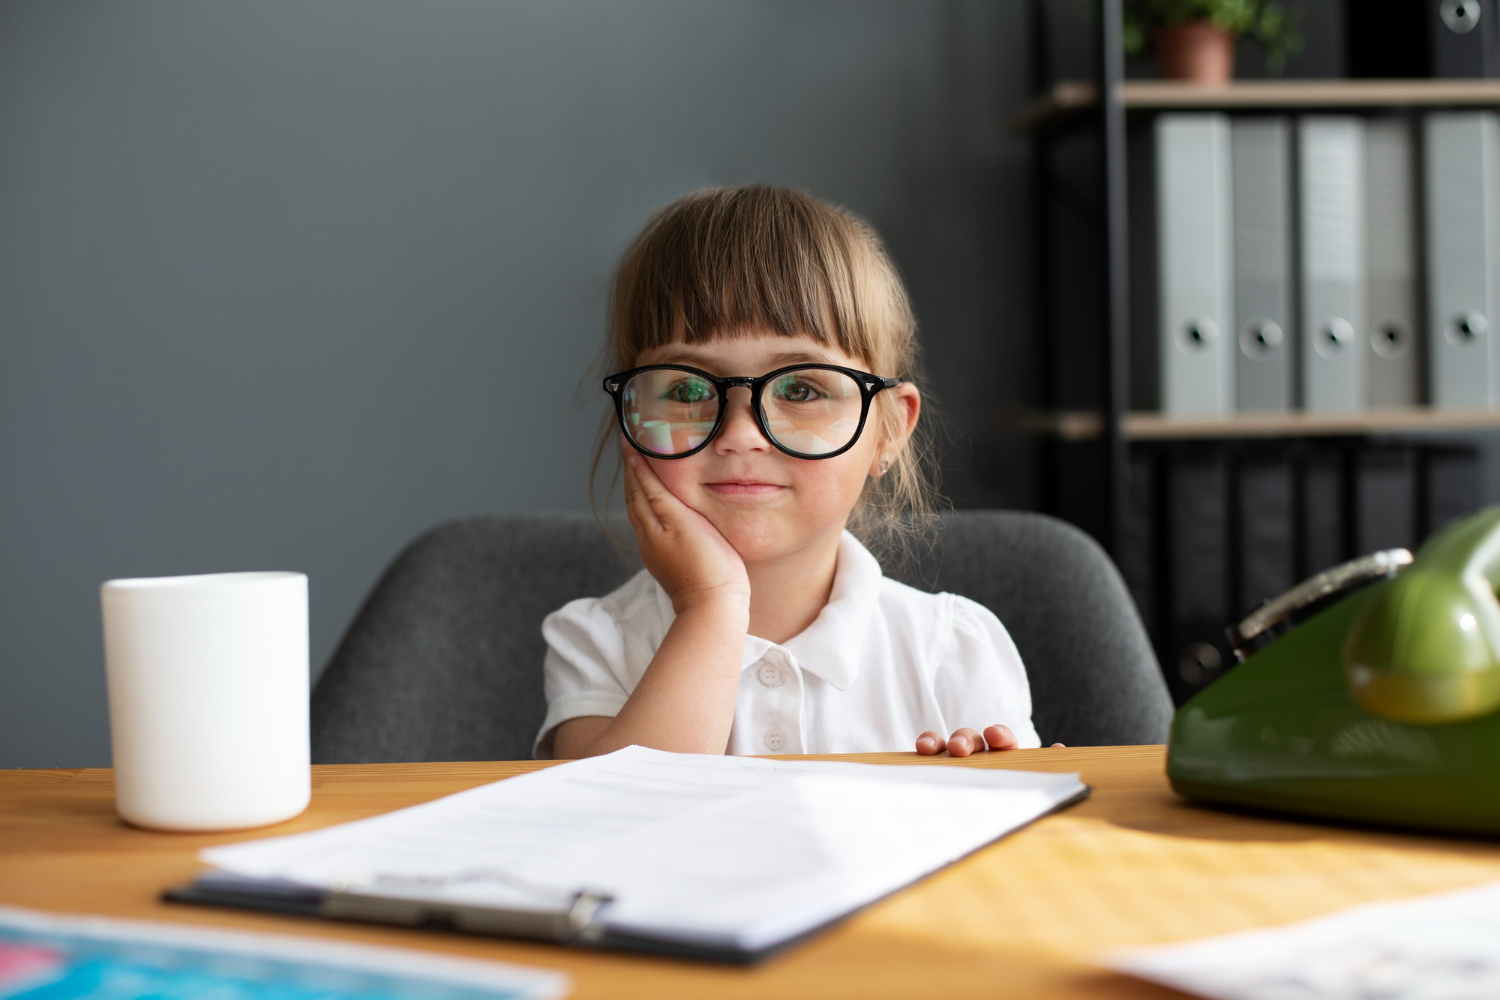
[43, 957]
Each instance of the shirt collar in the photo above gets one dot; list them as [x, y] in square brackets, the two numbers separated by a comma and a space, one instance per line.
[832, 646]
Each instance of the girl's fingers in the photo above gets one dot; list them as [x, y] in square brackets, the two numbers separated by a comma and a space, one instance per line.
[661, 501]
[636, 508]
[1000, 738]
[627, 465]
[967, 741]
[630, 487]
[964, 742]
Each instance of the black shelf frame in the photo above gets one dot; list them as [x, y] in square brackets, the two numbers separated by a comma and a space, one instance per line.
[1117, 273]
[1109, 115]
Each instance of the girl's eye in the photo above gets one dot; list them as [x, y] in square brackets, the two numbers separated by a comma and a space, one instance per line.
[690, 391]
[795, 389]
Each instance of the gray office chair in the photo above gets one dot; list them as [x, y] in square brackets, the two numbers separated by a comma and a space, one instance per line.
[444, 661]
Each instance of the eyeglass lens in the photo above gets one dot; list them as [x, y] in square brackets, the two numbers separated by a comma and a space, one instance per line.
[811, 411]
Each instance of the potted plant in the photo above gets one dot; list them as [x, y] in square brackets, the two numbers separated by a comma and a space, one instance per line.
[1195, 39]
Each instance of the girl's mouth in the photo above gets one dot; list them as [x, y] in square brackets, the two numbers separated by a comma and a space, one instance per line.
[744, 487]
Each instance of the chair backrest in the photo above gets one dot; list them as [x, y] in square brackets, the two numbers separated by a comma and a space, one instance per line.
[444, 660]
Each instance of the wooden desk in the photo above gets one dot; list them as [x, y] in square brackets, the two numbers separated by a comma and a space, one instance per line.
[1132, 865]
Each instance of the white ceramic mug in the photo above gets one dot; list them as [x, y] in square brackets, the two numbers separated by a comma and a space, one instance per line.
[208, 699]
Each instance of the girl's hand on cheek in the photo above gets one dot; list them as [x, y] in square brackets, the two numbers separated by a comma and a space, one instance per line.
[684, 552]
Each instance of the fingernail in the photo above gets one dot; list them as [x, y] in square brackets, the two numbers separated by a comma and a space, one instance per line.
[632, 461]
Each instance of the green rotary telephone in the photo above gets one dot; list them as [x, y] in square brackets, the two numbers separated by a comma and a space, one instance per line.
[1368, 693]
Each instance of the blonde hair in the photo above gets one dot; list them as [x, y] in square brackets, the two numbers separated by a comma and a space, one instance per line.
[726, 262]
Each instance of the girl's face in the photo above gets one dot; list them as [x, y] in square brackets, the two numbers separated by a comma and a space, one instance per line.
[766, 503]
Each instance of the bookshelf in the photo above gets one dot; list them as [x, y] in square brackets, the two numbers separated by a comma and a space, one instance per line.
[1204, 514]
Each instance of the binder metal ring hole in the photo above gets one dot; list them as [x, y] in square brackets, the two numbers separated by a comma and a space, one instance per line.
[1391, 338]
[1461, 16]
[1259, 338]
[1196, 334]
[1334, 335]
[1466, 328]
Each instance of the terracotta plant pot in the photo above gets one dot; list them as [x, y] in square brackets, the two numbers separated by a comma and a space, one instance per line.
[1197, 50]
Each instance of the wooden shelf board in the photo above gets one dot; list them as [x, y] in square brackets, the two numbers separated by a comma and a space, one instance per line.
[1085, 425]
[1071, 100]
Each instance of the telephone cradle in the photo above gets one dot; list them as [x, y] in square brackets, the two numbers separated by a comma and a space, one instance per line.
[1368, 694]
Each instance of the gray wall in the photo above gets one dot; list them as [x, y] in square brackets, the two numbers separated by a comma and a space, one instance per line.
[283, 284]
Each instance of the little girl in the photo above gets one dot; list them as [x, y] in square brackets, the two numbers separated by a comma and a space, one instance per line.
[765, 358]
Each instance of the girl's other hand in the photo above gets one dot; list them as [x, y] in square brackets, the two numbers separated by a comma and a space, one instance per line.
[694, 564]
[966, 741]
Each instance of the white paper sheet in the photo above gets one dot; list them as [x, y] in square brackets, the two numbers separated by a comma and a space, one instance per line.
[730, 852]
[1444, 947]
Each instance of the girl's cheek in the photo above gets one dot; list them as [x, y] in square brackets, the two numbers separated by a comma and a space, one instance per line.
[837, 481]
[676, 475]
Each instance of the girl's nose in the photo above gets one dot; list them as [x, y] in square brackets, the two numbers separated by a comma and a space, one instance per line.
[739, 431]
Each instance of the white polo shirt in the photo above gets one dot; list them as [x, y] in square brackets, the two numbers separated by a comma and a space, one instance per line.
[881, 664]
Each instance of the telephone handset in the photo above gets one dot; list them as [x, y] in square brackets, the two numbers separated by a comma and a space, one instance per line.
[1426, 647]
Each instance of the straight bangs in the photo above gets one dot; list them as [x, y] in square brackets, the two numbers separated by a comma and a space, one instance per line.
[740, 261]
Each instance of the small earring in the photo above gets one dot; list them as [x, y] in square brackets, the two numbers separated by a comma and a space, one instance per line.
[884, 464]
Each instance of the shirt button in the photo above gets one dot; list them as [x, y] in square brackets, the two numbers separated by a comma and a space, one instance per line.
[769, 675]
[775, 739]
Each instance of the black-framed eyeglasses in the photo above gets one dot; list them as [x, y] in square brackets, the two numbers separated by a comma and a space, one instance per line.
[806, 411]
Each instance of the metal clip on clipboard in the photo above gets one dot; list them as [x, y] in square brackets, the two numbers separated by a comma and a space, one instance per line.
[580, 922]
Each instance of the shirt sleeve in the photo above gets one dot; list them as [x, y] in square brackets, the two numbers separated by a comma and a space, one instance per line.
[585, 666]
[980, 678]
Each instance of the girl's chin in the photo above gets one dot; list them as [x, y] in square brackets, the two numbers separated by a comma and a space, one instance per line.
[754, 542]
[760, 542]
